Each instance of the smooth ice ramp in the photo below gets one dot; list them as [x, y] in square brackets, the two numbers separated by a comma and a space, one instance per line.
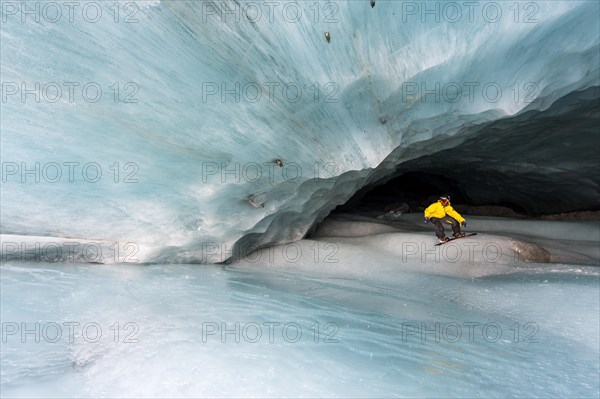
[533, 241]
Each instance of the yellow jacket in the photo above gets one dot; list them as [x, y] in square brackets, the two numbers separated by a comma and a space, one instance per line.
[437, 210]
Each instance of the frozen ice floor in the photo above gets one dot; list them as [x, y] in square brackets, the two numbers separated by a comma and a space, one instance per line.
[350, 317]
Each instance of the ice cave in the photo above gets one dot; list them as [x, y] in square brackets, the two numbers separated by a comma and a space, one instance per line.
[228, 198]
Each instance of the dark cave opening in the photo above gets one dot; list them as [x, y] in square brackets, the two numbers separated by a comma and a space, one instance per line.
[418, 189]
[534, 164]
[413, 188]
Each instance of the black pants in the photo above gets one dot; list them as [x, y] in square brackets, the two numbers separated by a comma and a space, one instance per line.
[439, 225]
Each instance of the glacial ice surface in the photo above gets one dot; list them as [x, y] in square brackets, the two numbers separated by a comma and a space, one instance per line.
[376, 320]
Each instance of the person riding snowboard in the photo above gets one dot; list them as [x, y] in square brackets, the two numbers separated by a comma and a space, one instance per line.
[442, 211]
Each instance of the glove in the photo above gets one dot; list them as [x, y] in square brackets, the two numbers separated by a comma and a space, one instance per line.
[464, 224]
[426, 220]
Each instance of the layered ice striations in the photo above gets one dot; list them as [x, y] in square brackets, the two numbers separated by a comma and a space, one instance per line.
[198, 100]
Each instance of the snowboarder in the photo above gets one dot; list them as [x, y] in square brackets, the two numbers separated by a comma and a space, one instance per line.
[442, 211]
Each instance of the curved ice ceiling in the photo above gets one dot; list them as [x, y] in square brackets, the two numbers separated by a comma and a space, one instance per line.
[183, 107]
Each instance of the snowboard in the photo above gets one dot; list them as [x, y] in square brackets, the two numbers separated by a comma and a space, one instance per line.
[455, 238]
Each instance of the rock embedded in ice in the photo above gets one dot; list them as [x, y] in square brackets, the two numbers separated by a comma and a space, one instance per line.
[530, 252]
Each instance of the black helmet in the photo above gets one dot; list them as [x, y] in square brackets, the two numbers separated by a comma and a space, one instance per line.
[445, 197]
